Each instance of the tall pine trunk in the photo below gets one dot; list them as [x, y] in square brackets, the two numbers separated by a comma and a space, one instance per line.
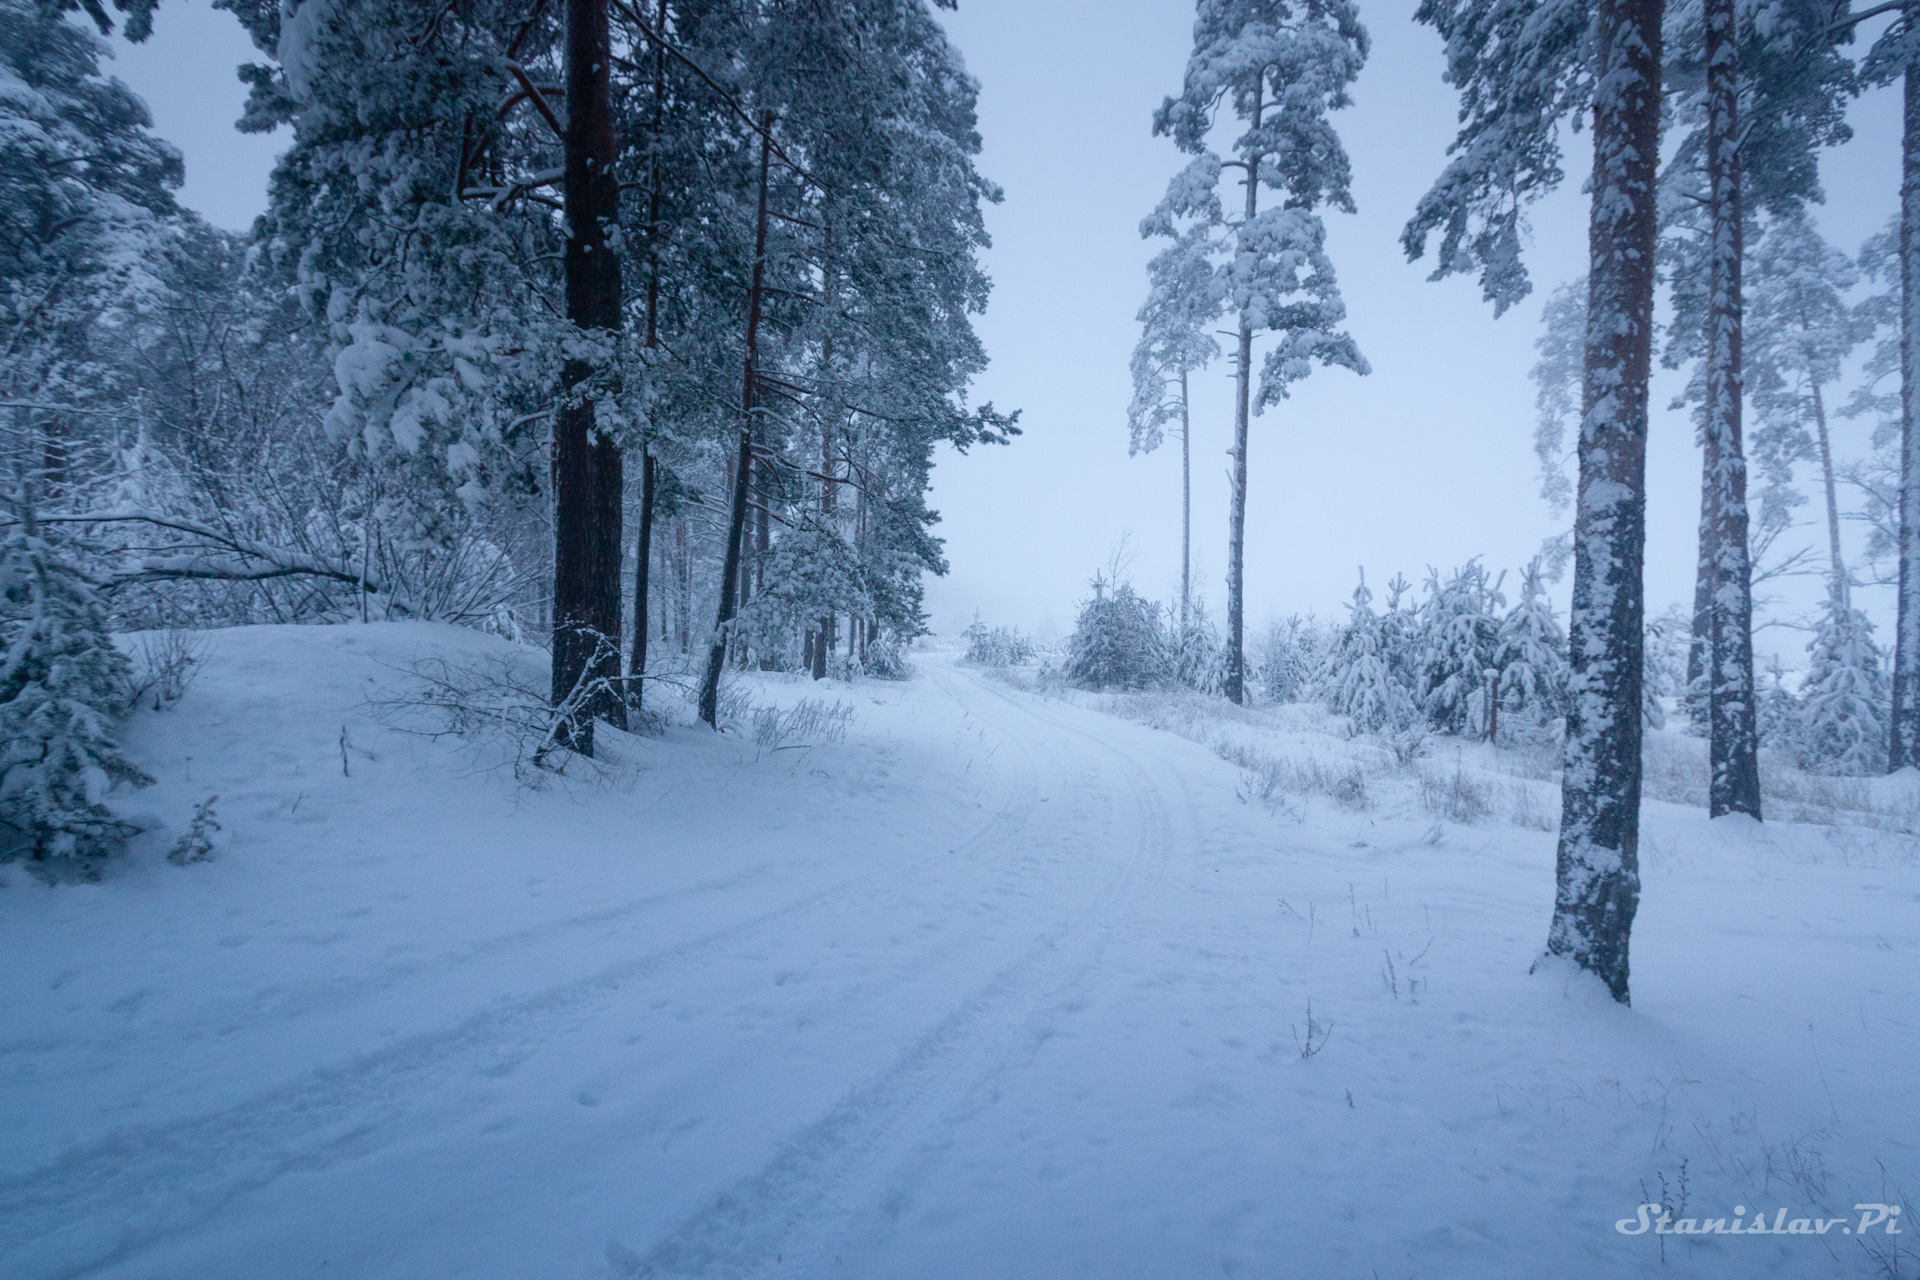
[1597, 876]
[731, 579]
[1826, 478]
[1186, 505]
[1237, 510]
[643, 558]
[637, 669]
[1903, 726]
[1734, 786]
[587, 464]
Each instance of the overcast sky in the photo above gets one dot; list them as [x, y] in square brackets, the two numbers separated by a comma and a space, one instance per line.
[1427, 461]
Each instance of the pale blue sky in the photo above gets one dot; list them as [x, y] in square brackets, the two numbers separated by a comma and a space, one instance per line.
[1427, 461]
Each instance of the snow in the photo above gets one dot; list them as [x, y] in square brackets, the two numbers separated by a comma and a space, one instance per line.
[1003, 984]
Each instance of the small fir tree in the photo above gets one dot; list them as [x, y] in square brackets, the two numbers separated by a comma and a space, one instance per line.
[62, 684]
[1845, 695]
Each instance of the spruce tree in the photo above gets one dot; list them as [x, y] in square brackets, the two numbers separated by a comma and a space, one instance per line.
[1530, 664]
[62, 685]
[1844, 696]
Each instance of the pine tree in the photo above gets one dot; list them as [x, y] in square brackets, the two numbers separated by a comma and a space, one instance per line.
[1183, 299]
[62, 684]
[1522, 68]
[1896, 55]
[1117, 640]
[1764, 91]
[1458, 640]
[1360, 679]
[1801, 330]
[1530, 664]
[1280, 67]
[1845, 694]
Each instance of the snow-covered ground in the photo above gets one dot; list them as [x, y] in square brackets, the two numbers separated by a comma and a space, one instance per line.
[1000, 985]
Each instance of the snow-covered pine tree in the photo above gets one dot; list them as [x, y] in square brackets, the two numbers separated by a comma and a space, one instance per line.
[1530, 665]
[1763, 92]
[1522, 68]
[1359, 678]
[1896, 55]
[1458, 642]
[1198, 659]
[1844, 698]
[1184, 298]
[1782, 719]
[1733, 748]
[1118, 641]
[872, 277]
[87, 211]
[62, 685]
[1289, 658]
[1280, 66]
[1800, 331]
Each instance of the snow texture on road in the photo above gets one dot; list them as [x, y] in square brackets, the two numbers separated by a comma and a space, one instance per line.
[998, 986]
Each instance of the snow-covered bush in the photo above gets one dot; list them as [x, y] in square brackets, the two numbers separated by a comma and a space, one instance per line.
[997, 646]
[1117, 641]
[62, 685]
[886, 659]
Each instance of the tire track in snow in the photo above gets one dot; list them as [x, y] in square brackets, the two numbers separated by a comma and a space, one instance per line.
[797, 1205]
[105, 1200]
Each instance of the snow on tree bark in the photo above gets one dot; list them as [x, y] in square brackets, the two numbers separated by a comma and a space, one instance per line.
[1903, 726]
[1734, 785]
[1597, 873]
[587, 461]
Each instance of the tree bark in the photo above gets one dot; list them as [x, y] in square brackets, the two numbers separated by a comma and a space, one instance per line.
[1186, 505]
[643, 559]
[1903, 726]
[1237, 511]
[730, 576]
[1826, 477]
[587, 463]
[1732, 749]
[1597, 876]
[637, 670]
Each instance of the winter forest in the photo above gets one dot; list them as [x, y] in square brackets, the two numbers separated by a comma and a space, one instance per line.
[617, 662]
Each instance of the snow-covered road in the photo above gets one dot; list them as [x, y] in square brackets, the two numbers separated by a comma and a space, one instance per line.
[997, 987]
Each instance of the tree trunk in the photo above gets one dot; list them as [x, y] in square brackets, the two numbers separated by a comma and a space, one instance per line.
[1732, 748]
[1695, 695]
[1186, 505]
[643, 559]
[637, 670]
[1903, 726]
[587, 465]
[730, 576]
[1237, 511]
[1597, 876]
[1826, 477]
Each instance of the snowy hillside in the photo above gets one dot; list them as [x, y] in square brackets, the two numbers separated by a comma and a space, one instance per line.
[998, 985]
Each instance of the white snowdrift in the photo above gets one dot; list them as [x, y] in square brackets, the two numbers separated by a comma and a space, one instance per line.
[998, 986]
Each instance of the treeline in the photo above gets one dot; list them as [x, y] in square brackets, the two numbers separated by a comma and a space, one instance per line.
[623, 327]
[1461, 657]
